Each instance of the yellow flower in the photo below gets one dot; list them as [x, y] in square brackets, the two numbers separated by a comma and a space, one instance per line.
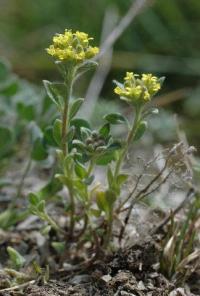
[152, 83]
[138, 88]
[73, 47]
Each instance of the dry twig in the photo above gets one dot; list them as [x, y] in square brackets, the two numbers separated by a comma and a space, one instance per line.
[147, 190]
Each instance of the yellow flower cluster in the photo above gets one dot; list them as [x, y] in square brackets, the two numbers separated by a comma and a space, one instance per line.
[72, 47]
[138, 88]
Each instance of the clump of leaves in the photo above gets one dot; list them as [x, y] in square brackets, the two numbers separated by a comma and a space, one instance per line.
[92, 206]
[179, 253]
[23, 134]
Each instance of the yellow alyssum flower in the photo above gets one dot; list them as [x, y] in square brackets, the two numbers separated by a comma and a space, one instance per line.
[151, 83]
[73, 47]
[138, 88]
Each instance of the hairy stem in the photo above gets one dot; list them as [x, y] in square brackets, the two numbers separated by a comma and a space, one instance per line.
[120, 160]
[129, 139]
[65, 117]
[65, 128]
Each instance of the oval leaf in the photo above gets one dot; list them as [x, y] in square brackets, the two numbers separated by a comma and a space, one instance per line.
[57, 131]
[75, 107]
[56, 92]
[115, 118]
[140, 130]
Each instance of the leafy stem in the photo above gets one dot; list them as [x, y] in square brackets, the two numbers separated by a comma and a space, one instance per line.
[65, 117]
[64, 128]
[129, 139]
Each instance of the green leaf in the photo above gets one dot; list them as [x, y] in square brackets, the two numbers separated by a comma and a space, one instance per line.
[10, 87]
[39, 151]
[37, 267]
[68, 163]
[85, 133]
[114, 146]
[41, 206]
[63, 179]
[106, 158]
[101, 201]
[16, 258]
[86, 66]
[79, 122]
[59, 247]
[6, 140]
[89, 180]
[109, 176]
[78, 144]
[48, 136]
[57, 131]
[26, 112]
[45, 230]
[111, 198]
[75, 107]
[121, 179]
[34, 199]
[105, 130]
[50, 189]
[115, 118]
[56, 92]
[10, 217]
[140, 130]
[80, 170]
[70, 134]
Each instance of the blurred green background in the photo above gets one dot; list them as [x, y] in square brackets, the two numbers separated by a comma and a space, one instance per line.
[163, 39]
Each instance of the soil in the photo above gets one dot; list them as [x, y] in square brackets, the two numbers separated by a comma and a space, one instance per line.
[129, 272]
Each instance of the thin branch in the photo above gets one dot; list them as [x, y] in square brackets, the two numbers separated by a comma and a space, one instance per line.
[136, 184]
[147, 187]
[189, 195]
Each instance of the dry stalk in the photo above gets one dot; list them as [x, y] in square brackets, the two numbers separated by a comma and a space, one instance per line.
[154, 184]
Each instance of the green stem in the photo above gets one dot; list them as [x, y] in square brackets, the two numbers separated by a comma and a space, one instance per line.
[65, 115]
[72, 212]
[52, 223]
[65, 126]
[129, 139]
[87, 205]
